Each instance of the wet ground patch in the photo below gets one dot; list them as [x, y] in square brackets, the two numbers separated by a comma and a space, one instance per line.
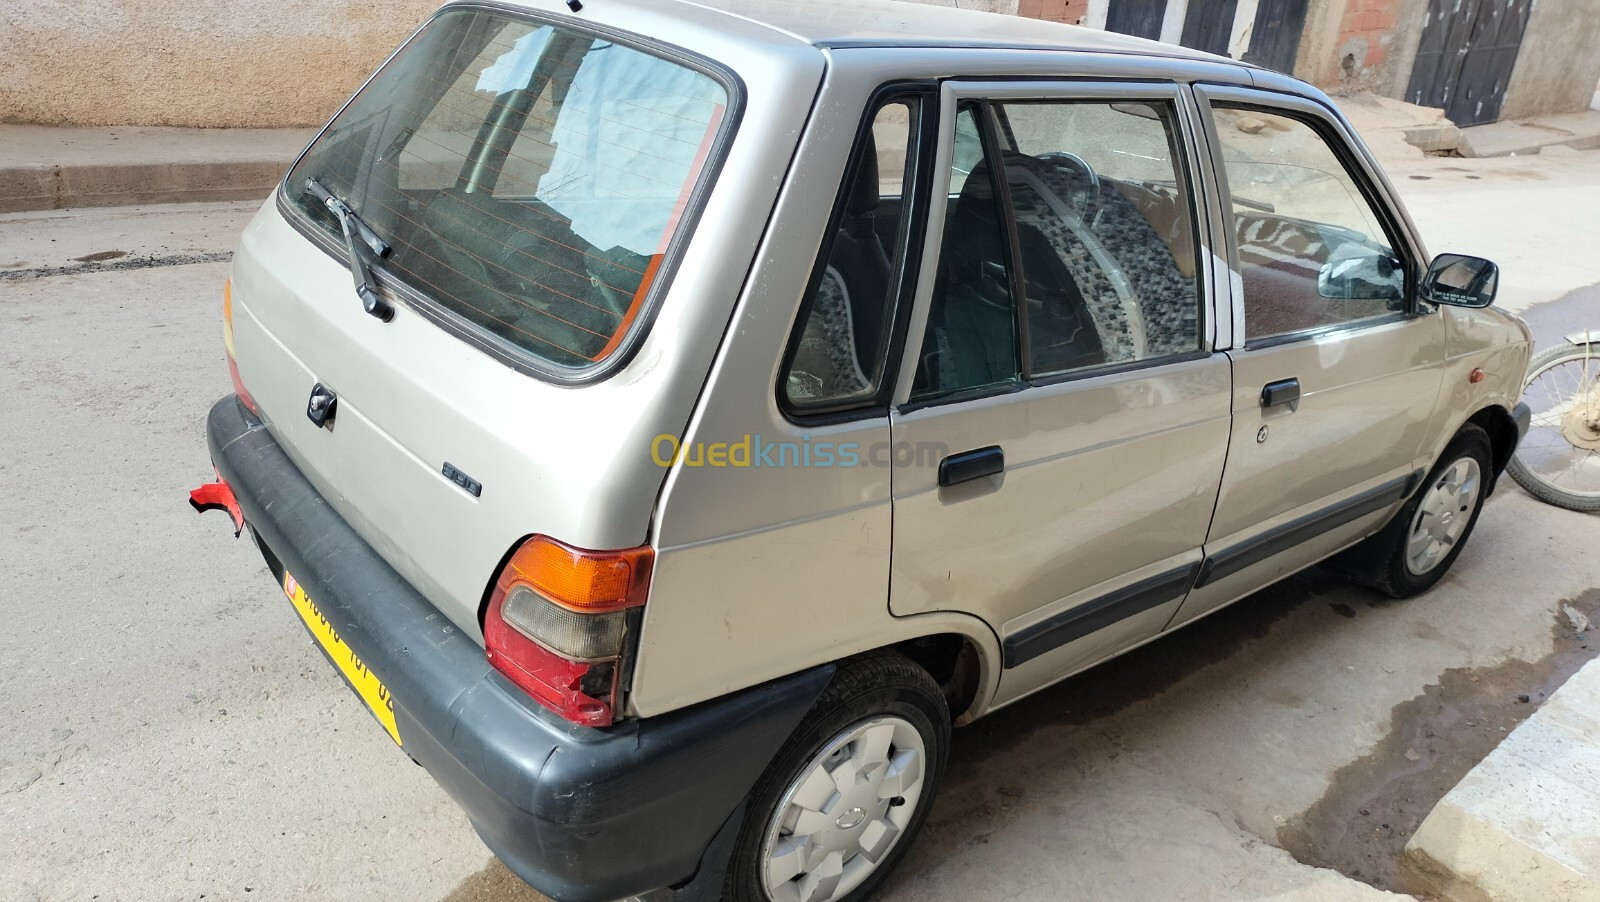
[118, 261]
[1374, 804]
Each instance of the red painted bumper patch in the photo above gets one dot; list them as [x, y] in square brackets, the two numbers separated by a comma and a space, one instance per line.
[218, 496]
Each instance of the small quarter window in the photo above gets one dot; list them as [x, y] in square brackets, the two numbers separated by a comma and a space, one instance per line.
[839, 358]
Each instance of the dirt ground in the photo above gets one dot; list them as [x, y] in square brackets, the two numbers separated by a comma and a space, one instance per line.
[1374, 804]
[170, 732]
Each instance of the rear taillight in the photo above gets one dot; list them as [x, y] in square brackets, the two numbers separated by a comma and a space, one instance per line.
[227, 342]
[557, 623]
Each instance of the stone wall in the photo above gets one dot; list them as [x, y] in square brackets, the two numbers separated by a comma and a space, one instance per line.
[212, 63]
[1070, 11]
[1559, 62]
[226, 63]
[233, 63]
[1361, 45]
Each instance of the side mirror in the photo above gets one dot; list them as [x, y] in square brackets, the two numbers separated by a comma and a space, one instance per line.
[1360, 272]
[1461, 281]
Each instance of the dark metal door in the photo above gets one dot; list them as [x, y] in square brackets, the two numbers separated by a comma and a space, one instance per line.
[1209, 25]
[1465, 57]
[1140, 18]
[1275, 37]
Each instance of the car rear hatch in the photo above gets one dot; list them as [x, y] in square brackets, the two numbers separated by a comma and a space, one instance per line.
[536, 184]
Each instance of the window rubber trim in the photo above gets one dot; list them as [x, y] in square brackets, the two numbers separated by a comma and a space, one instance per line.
[1371, 322]
[989, 130]
[520, 359]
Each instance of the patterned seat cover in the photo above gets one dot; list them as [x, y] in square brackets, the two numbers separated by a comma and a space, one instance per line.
[1140, 302]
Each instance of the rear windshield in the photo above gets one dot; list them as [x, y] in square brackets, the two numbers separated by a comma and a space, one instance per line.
[529, 177]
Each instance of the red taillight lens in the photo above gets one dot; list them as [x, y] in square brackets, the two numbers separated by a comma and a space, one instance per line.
[557, 623]
[227, 343]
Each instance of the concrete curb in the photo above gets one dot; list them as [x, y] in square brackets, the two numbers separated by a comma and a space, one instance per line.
[29, 188]
[59, 168]
[1524, 823]
[1579, 131]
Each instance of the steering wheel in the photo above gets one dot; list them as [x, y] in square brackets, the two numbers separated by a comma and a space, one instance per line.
[1089, 206]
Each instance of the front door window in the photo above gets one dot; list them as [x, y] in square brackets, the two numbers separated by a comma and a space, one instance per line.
[1312, 252]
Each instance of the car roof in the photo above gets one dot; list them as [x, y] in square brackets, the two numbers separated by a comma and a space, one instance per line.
[888, 23]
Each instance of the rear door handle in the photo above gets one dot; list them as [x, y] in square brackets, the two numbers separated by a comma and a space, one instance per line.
[970, 465]
[1284, 391]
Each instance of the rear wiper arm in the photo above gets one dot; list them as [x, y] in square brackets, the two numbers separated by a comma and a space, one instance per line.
[356, 233]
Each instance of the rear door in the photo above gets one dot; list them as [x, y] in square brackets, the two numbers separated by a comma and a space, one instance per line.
[1063, 414]
[1339, 371]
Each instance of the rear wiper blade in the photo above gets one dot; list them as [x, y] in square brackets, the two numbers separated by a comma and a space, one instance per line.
[356, 234]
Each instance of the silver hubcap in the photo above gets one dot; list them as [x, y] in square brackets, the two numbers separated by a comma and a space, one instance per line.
[1443, 515]
[846, 810]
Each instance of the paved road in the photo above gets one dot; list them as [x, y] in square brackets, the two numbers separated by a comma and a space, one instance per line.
[168, 732]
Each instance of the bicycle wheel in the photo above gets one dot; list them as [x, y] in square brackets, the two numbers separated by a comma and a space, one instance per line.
[1558, 461]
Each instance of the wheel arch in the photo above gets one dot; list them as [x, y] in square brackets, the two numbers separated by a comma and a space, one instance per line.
[960, 653]
[1502, 429]
[955, 662]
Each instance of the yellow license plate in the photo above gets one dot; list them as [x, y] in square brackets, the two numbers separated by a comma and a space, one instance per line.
[364, 681]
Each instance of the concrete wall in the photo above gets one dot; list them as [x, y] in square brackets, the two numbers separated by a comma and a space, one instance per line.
[1559, 62]
[213, 63]
[1070, 11]
[236, 63]
[1361, 45]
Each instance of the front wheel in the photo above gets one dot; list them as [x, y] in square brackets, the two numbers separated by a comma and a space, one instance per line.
[1438, 518]
[844, 797]
[1558, 461]
[1422, 540]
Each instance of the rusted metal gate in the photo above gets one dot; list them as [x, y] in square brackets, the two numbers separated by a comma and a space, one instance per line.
[1465, 58]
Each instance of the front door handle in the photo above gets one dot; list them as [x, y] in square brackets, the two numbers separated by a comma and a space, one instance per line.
[970, 465]
[1284, 391]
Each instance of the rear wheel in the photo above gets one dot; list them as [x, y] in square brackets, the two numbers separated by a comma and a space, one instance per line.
[843, 799]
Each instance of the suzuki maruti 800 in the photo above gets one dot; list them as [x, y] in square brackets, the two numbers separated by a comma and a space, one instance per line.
[673, 418]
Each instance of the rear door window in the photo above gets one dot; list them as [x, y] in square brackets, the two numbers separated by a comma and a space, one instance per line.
[1070, 246]
[530, 178]
[1105, 232]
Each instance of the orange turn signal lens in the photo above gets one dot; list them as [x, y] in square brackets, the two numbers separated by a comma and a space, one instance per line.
[589, 582]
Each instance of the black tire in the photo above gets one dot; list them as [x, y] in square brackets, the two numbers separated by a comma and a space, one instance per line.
[1380, 561]
[1517, 470]
[883, 684]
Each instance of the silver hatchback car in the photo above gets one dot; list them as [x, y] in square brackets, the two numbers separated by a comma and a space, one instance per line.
[673, 418]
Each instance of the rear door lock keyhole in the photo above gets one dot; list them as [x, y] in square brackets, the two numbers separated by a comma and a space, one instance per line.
[320, 408]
